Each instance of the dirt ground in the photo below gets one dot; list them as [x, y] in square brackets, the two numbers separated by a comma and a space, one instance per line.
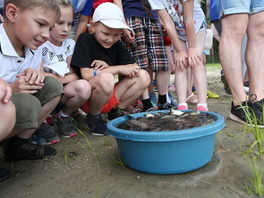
[88, 166]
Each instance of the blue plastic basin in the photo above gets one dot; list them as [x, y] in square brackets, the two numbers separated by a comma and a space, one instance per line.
[165, 152]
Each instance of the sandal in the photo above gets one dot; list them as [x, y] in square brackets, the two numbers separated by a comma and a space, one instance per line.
[26, 151]
[192, 99]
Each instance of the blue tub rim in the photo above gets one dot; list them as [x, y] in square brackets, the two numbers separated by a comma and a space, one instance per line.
[163, 136]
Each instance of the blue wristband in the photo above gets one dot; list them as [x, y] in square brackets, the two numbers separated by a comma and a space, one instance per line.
[94, 72]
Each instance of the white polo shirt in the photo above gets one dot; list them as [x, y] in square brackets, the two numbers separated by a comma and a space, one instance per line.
[10, 63]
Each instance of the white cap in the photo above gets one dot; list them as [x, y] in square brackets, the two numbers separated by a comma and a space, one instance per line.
[110, 15]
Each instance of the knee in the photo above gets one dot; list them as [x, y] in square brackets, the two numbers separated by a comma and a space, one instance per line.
[26, 105]
[83, 89]
[144, 78]
[106, 82]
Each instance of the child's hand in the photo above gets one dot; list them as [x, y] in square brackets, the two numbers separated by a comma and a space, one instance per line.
[193, 57]
[99, 65]
[5, 91]
[181, 61]
[128, 35]
[21, 85]
[131, 70]
[33, 76]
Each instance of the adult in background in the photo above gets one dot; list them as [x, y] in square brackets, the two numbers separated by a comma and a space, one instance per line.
[237, 19]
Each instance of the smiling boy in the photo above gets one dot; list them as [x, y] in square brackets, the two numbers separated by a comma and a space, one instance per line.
[100, 56]
[26, 26]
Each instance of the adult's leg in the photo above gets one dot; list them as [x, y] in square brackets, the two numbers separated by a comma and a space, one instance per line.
[233, 30]
[254, 54]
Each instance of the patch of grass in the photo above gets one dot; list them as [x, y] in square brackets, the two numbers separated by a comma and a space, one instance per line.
[256, 182]
[87, 144]
[118, 160]
[107, 142]
[214, 65]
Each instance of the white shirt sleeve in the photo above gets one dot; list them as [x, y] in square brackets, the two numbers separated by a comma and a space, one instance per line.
[156, 4]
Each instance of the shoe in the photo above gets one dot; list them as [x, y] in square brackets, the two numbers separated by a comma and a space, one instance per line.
[258, 104]
[212, 95]
[165, 106]
[192, 99]
[245, 113]
[153, 98]
[152, 109]
[117, 112]
[4, 174]
[96, 125]
[226, 86]
[182, 107]
[26, 150]
[172, 87]
[37, 140]
[45, 131]
[173, 100]
[78, 116]
[246, 87]
[66, 127]
[201, 108]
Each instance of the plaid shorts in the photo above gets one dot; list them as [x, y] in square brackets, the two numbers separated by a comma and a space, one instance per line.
[148, 47]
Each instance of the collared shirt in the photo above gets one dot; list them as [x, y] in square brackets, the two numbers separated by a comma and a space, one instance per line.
[10, 63]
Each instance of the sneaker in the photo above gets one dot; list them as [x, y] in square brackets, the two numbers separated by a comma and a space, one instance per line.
[78, 116]
[37, 140]
[226, 86]
[153, 97]
[173, 100]
[117, 112]
[22, 149]
[4, 174]
[45, 131]
[96, 125]
[182, 107]
[66, 127]
[201, 108]
[152, 109]
[239, 113]
[246, 87]
[165, 106]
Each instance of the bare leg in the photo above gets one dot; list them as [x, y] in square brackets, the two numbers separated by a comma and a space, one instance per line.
[234, 29]
[7, 122]
[199, 71]
[128, 90]
[102, 88]
[75, 94]
[254, 54]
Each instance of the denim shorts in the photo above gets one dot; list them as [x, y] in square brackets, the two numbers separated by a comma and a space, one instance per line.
[226, 7]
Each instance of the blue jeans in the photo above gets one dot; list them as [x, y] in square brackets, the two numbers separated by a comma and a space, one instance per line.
[226, 7]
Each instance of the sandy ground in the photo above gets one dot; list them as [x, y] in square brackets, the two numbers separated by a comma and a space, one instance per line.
[88, 166]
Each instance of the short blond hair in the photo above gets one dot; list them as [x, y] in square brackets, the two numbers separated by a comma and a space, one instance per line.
[30, 4]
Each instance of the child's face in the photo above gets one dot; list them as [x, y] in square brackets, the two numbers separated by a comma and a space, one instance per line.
[31, 27]
[106, 36]
[63, 27]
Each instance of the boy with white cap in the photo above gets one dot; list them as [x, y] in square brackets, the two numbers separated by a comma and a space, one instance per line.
[100, 56]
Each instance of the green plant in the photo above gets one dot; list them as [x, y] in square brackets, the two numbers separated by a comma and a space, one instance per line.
[256, 180]
[86, 146]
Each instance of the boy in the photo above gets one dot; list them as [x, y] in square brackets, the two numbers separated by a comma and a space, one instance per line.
[101, 56]
[34, 95]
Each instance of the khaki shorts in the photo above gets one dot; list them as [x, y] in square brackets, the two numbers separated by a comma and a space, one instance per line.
[28, 106]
